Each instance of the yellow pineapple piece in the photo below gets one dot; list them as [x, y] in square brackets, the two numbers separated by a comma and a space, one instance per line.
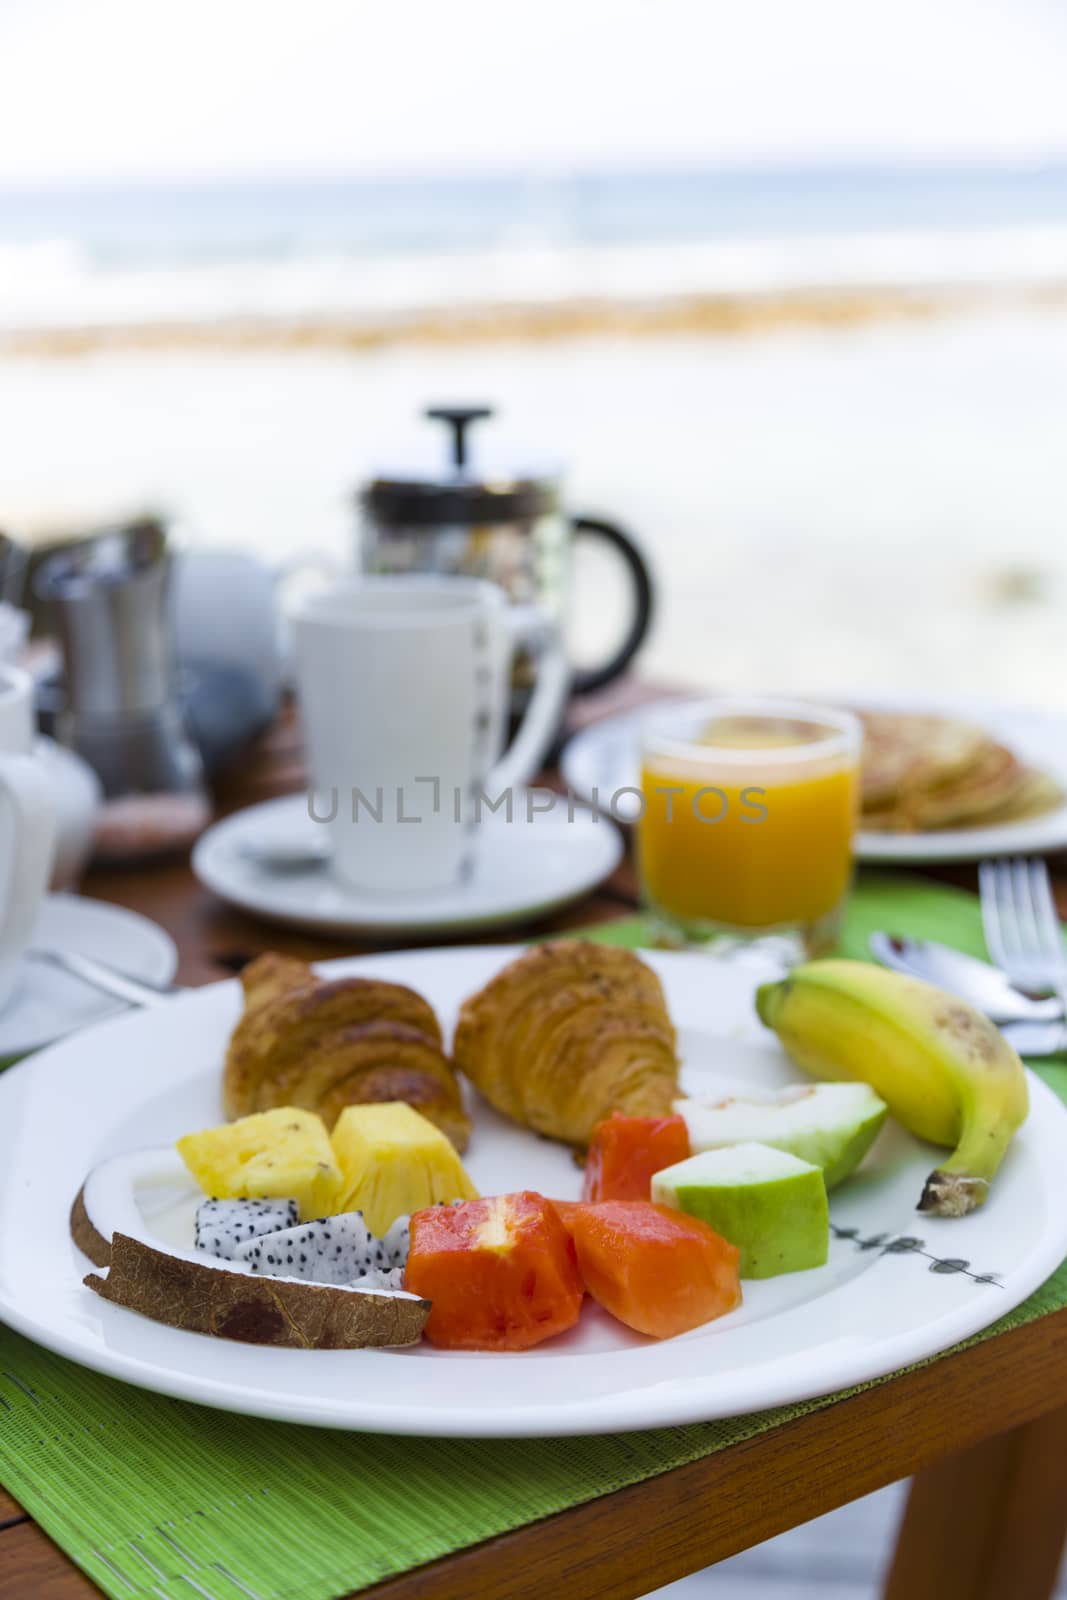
[282, 1154]
[394, 1162]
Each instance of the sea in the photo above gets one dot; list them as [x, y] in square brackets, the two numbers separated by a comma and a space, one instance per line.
[373, 248]
[831, 505]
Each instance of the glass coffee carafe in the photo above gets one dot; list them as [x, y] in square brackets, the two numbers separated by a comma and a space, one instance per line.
[511, 527]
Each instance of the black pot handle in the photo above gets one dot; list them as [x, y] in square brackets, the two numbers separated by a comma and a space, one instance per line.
[591, 678]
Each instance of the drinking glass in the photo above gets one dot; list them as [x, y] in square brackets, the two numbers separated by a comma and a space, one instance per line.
[748, 812]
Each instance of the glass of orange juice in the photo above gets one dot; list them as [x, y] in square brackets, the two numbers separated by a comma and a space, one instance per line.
[748, 811]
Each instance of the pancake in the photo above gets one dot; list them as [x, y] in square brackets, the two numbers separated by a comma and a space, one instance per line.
[923, 772]
[906, 751]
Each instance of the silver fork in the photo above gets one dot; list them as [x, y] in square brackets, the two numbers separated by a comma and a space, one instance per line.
[1022, 928]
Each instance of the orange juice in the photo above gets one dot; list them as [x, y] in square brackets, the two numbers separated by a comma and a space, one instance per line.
[748, 823]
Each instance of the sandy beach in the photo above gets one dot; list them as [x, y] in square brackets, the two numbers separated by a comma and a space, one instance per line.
[717, 315]
[837, 492]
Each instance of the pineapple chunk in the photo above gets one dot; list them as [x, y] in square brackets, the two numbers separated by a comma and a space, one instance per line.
[282, 1154]
[394, 1162]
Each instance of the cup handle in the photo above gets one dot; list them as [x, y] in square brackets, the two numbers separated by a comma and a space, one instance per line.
[530, 625]
[609, 533]
[28, 791]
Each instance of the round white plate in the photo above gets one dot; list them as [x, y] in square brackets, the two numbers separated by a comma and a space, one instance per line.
[538, 861]
[898, 1286]
[604, 759]
[47, 1003]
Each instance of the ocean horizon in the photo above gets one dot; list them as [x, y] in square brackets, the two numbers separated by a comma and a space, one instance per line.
[136, 254]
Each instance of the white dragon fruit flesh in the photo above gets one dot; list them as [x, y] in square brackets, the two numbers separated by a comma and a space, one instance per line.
[390, 1278]
[337, 1250]
[396, 1242]
[223, 1225]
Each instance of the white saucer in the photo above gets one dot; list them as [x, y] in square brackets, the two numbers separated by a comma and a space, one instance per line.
[47, 1003]
[523, 870]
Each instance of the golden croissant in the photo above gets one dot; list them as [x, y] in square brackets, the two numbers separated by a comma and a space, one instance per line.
[568, 1033]
[323, 1044]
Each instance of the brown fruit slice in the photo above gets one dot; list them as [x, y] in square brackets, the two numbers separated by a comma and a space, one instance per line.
[238, 1305]
[86, 1235]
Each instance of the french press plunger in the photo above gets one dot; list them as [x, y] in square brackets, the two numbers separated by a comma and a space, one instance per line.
[475, 518]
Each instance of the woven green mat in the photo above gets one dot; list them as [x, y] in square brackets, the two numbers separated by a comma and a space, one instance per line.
[155, 1497]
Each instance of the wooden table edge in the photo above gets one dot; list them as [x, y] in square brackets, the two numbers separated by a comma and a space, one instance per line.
[11, 1513]
[628, 1541]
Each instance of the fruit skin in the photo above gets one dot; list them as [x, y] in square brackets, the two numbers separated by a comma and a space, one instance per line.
[501, 1273]
[942, 1068]
[282, 1154]
[624, 1152]
[395, 1161]
[656, 1270]
[778, 1217]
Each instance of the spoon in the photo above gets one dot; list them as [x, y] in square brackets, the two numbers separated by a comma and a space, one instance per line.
[285, 855]
[980, 983]
[107, 979]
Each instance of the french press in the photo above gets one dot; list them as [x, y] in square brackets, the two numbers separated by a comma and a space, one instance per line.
[472, 517]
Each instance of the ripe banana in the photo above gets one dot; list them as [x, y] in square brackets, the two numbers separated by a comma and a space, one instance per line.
[942, 1068]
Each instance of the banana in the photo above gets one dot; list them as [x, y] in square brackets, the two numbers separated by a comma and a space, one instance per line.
[942, 1068]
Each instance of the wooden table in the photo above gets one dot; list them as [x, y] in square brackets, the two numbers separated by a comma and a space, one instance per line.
[984, 1433]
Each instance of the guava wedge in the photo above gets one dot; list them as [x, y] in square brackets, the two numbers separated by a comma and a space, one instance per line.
[832, 1125]
[768, 1203]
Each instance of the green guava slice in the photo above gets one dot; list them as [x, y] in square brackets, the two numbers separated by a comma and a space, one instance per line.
[768, 1203]
[832, 1125]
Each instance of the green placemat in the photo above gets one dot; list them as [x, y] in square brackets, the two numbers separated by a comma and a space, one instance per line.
[154, 1497]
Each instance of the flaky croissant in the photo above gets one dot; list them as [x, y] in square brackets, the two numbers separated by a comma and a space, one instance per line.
[323, 1044]
[568, 1033]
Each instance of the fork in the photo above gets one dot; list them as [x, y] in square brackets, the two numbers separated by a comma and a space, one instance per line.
[1022, 927]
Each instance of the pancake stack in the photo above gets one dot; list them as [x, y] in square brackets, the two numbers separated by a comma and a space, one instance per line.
[923, 772]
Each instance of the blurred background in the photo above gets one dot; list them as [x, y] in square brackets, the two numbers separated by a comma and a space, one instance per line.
[785, 287]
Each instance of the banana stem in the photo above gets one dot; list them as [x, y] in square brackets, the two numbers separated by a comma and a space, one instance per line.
[952, 1194]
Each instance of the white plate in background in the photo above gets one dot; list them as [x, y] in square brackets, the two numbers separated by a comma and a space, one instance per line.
[47, 1003]
[605, 758]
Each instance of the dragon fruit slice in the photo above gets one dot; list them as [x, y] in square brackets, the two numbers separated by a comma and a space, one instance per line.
[223, 1225]
[396, 1242]
[388, 1278]
[336, 1250]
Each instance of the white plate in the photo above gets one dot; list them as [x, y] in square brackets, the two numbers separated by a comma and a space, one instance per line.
[898, 1286]
[605, 758]
[525, 868]
[47, 1003]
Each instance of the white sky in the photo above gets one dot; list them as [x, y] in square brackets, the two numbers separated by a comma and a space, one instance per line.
[210, 88]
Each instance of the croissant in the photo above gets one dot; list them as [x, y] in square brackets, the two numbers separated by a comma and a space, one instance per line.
[565, 1035]
[323, 1044]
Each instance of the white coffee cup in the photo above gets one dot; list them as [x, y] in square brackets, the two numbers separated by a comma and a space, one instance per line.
[403, 686]
[27, 823]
